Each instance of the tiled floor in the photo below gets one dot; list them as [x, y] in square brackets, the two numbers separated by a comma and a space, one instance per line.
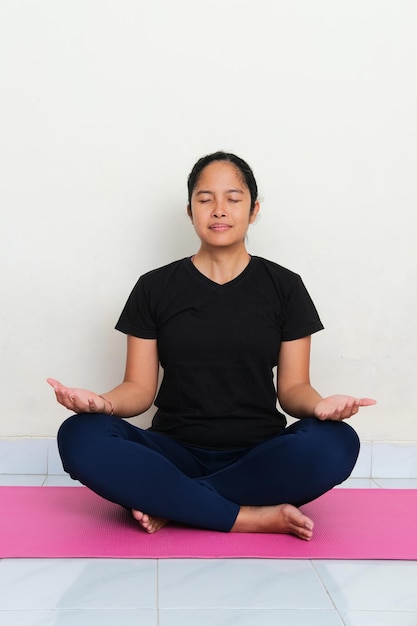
[193, 592]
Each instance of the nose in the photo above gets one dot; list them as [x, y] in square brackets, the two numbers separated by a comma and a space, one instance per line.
[219, 209]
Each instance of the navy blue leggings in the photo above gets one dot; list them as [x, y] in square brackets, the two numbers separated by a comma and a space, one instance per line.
[144, 470]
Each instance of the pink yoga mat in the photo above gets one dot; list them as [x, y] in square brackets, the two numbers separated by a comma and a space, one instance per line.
[68, 522]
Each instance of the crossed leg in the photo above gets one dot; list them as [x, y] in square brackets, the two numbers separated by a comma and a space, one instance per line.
[307, 460]
[269, 482]
[281, 518]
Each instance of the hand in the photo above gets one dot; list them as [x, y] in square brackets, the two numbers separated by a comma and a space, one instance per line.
[340, 407]
[78, 400]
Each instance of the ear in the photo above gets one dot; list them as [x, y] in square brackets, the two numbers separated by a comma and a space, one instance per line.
[255, 212]
[189, 213]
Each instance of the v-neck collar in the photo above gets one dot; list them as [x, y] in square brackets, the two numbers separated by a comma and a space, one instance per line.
[220, 286]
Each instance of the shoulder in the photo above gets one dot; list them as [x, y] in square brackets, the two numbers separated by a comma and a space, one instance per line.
[300, 314]
[276, 271]
[164, 273]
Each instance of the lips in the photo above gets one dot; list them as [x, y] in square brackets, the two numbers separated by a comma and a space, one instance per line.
[220, 227]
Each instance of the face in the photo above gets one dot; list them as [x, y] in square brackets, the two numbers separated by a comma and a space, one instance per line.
[220, 205]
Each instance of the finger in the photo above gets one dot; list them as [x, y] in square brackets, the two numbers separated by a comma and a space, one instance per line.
[334, 415]
[351, 408]
[92, 406]
[61, 391]
[59, 394]
[66, 402]
[66, 399]
[54, 383]
[367, 402]
[79, 405]
[70, 400]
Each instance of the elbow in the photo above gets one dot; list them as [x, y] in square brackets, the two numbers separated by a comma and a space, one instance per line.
[288, 410]
[283, 401]
[285, 406]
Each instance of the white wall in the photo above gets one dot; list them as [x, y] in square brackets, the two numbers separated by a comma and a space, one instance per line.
[105, 106]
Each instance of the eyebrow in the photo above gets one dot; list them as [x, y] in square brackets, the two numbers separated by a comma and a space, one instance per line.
[202, 191]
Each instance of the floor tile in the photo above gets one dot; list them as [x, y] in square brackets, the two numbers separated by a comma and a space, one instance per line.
[22, 480]
[358, 483]
[370, 585]
[87, 617]
[364, 463]
[240, 583]
[379, 618]
[391, 460]
[54, 460]
[397, 483]
[247, 617]
[23, 456]
[77, 584]
[60, 481]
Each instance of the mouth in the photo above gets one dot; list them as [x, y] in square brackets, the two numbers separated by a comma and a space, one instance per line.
[220, 227]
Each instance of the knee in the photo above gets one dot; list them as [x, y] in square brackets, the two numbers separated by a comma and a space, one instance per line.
[74, 428]
[343, 447]
[334, 446]
[349, 439]
[75, 437]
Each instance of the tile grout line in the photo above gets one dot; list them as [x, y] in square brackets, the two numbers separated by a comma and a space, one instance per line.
[326, 590]
[371, 469]
[157, 592]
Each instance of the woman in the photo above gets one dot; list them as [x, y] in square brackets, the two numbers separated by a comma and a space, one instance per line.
[218, 454]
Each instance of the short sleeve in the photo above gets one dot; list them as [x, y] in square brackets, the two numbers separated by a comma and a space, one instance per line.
[136, 318]
[301, 316]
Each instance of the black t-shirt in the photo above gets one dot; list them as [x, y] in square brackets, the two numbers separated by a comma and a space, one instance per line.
[217, 345]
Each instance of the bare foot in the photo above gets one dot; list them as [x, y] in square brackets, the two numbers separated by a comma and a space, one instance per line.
[282, 518]
[149, 523]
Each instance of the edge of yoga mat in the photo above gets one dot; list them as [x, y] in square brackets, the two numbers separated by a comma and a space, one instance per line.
[73, 522]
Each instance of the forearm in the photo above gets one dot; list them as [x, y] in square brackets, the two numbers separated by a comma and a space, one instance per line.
[296, 395]
[128, 399]
[299, 400]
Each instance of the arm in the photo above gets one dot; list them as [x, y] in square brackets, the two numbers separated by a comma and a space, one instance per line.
[132, 397]
[295, 393]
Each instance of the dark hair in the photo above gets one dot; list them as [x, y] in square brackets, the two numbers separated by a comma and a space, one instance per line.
[244, 170]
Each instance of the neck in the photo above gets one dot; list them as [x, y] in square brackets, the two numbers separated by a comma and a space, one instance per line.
[221, 266]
